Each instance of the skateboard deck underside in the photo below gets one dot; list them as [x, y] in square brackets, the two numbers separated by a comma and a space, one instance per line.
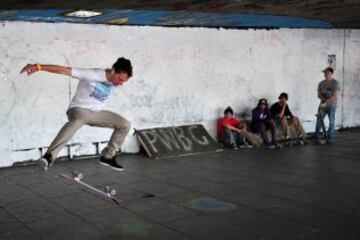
[89, 187]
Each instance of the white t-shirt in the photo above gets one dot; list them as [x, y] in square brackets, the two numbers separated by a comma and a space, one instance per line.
[93, 90]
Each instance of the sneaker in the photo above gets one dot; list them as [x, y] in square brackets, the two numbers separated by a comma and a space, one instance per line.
[321, 141]
[243, 146]
[45, 162]
[111, 163]
[232, 146]
[271, 146]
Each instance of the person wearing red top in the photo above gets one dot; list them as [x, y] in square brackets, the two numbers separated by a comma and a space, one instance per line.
[230, 130]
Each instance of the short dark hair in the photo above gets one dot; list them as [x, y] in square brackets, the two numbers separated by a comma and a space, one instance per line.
[284, 95]
[228, 110]
[123, 65]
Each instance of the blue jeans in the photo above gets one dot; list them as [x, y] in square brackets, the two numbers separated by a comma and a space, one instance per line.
[330, 111]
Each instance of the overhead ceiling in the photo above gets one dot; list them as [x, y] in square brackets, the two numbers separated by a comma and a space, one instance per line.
[340, 13]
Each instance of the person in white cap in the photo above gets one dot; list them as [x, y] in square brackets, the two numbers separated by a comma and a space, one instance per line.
[327, 93]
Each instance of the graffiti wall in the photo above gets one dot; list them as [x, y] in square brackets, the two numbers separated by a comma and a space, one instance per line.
[181, 76]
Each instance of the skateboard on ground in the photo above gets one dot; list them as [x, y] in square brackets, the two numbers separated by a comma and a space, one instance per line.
[107, 193]
[292, 142]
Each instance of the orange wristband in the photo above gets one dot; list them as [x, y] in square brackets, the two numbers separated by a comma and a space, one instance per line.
[38, 66]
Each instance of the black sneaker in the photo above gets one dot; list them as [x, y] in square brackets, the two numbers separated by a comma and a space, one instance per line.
[301, 137]
[111, 163]
[301, 140]
[45, 162]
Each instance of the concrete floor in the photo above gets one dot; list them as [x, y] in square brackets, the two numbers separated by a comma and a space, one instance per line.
[309, 192]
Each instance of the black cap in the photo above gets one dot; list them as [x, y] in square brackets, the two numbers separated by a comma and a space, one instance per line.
[328, 69]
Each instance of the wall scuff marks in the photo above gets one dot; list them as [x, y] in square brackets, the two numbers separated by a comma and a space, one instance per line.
[181, 76]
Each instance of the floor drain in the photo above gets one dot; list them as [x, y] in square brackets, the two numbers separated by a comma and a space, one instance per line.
[211, 204]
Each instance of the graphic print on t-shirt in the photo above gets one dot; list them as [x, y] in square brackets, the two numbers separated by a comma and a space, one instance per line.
[101, 91]
[328, 92]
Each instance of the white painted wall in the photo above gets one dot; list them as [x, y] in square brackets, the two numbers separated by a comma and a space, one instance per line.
[181, 76]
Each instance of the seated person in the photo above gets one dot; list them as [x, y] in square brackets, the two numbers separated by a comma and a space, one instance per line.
[290, 125]
[231, 131]
[262, 121]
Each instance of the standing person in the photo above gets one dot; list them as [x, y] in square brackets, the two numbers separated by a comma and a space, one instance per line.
[85, 108]
[263, 121]
[231, 131]
[327, 93]
[290, 124]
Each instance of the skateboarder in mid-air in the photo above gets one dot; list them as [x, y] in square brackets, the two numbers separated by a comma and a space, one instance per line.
[85, 108]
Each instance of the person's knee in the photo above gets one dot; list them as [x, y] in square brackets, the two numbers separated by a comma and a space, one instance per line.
[271, 124]
[332, 117]
[122, 125]
[226, 129]
[283, 122]
[125, 126]
[294, 119]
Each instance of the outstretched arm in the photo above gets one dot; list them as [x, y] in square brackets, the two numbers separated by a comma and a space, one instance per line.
[31, 68]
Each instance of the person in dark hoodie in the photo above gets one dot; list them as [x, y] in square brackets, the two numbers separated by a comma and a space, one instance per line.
[263, 121]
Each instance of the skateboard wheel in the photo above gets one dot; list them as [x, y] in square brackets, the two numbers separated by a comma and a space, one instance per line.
[110, 191]
[77, 175]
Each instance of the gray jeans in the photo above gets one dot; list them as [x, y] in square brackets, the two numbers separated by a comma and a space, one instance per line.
[231, 137]
[80, 116]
